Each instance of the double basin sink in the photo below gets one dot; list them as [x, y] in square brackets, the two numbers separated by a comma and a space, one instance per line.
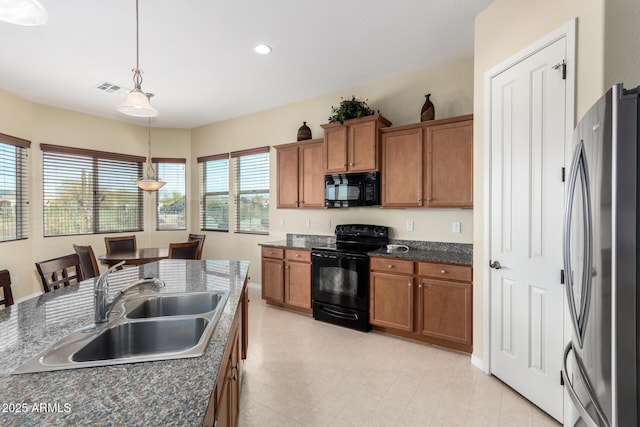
[142, 328]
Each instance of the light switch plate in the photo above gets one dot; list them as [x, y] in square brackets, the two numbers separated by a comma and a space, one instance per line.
[307, 222]
[456, 227]
[327, 223]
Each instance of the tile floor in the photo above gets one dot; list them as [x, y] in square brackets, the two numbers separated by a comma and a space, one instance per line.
[302, 372]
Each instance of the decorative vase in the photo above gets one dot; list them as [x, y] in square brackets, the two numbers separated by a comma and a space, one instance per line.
[304, 132]
[428, 110]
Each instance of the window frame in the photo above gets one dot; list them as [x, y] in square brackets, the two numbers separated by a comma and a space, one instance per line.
[239, 192]
[204, 194]
[174, 161]
[96, 157]
[21, 221]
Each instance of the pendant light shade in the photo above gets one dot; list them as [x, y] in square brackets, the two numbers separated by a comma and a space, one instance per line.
[29, 13]
[137, 103]
[150, 182]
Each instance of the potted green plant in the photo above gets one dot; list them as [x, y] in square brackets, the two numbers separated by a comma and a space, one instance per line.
[350, 109]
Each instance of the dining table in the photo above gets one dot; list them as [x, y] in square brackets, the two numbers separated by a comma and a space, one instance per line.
[135, 257]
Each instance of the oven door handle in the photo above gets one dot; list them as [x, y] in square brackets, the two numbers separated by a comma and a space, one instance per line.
[339, 256]
[334, 313]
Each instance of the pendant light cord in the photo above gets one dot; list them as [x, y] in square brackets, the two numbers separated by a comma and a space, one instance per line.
[137, 73]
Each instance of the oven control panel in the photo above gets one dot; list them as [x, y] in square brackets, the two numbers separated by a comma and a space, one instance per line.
[362, 230]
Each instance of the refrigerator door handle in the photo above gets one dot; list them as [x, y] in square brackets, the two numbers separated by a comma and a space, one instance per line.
[584, 414]
[578, 314]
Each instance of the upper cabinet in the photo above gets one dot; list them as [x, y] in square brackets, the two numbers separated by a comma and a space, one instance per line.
[300, 176]
[428, 164]
[354, 146]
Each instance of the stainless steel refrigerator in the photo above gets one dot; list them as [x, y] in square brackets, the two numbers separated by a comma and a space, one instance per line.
[600, 369]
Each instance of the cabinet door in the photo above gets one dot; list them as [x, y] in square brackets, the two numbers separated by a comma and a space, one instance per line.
[391, 301]
[297, 284]
[402, 166]
[445, 310]
[363, 153]
[287, 177]
[272, 279]
[311, 176]
[335, 149]
[234, 382]
[449, 160]
[223, 412]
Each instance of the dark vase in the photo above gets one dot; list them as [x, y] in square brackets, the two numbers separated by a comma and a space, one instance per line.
[428, 110]
[304, 132]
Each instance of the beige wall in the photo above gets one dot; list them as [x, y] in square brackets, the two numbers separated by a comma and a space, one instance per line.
[398, 99]
[622, 37]
[49, 125]
[505, 28]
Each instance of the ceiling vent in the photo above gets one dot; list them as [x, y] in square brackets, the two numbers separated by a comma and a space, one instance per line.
[111, 88]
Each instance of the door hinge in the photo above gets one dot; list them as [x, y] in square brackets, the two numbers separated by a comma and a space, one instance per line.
[561, 379]
[562, 64]
[563, 174]
[562, 277]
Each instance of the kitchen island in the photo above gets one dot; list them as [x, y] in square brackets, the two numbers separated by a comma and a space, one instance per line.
[178, 392]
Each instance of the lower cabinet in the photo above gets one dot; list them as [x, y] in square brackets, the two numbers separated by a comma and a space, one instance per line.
[224, 406]
[430, 302]
[286, 278]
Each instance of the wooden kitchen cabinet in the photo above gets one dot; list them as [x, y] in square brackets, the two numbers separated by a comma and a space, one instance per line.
[428, 164]
[354, 146]
[430, 302]
[286, 278]
[300, 175]
[224, 406]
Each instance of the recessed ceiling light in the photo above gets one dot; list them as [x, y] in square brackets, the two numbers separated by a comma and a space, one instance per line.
[262, 49]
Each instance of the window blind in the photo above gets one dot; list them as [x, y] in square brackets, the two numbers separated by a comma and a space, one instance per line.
[90, 192]
[251, 174]
[171, 210]
[214, 192]
[14, 197]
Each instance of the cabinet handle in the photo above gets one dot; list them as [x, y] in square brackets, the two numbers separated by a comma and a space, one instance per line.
[345, 165]
[352, 164]
[235, 367]
[297, 255]
[286, 266]
[390, 265]
[233, 378]
[429, 199]
[409, 284]
[280, 267]
[270, 252]
[420, 285]
[443, 271]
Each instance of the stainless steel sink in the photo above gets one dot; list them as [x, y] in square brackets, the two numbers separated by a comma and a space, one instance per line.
[146, 328]
[173, 305]
[152, 337]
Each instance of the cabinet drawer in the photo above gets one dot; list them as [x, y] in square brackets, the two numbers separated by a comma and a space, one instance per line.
[298, 255]
[392, 265]
[445, 271]
[271, 252]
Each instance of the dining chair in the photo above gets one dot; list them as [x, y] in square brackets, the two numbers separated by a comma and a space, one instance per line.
[200, 238]
[88, 262]
[184, 250]
[58, 272]
[120, 244]
[5, 283]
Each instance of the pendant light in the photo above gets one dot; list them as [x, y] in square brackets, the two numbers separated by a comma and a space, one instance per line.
[150, 182]
[137, 102]
[29, 13]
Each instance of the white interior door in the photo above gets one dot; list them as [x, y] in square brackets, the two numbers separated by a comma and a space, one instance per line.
[528, 129]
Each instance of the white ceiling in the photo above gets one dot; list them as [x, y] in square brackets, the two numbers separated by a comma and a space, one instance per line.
[197, 55]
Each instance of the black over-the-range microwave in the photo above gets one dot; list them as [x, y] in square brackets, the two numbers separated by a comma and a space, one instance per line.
[352, 189]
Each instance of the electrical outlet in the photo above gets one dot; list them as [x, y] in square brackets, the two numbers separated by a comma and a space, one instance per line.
[455, 227]
[327, 223]
[410, 225]
[281, 222]
[307, 222]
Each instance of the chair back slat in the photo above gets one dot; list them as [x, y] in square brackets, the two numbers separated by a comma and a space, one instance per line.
[88, 262]
[61, 271]
[120, 244]
[184, 250]
[5, 283]
[200, 238]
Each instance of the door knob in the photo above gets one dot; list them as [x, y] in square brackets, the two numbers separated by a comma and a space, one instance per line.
[495, 265]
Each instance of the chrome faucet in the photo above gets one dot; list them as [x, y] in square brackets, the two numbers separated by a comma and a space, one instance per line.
[102, 304]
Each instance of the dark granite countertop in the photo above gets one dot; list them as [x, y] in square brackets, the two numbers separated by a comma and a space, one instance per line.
[450, 253]
[169, 393]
